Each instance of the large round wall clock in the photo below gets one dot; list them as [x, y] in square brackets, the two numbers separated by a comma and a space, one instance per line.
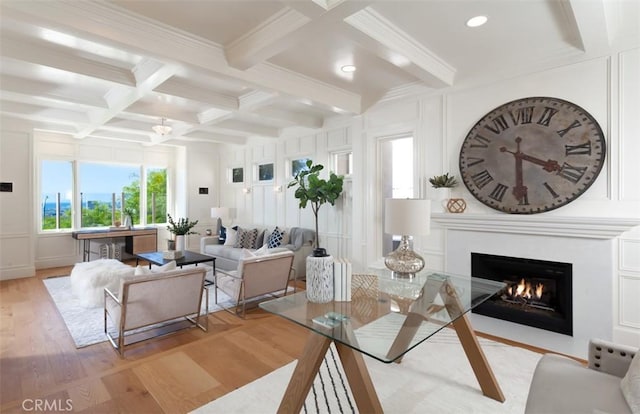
[532, 155]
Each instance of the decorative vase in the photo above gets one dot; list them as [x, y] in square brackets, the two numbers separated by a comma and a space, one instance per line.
[127, 221]
[439, 197]
[171, 244]
[456, 205]
[180, 241]
[320, 277]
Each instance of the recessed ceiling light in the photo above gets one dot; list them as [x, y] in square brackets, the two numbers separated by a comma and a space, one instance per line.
[348, 68]
[477, 21]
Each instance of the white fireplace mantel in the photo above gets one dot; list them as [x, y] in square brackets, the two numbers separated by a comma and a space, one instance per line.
[584, 227]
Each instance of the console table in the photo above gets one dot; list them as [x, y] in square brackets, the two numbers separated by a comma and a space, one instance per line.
[137, 239]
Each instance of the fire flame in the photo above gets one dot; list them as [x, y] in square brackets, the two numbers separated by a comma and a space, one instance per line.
[526, 290]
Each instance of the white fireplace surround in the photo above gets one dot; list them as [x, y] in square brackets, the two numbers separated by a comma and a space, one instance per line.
[587, 243]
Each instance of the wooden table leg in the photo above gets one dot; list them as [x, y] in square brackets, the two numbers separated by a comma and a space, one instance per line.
[477, 359]
[359, 380]
[304, 374]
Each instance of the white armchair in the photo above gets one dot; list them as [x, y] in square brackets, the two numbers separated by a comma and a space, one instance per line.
[256, 276]
[151, 299]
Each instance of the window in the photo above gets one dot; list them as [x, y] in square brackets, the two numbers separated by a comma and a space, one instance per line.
[156, 195]
[105, 191]
[298, 166]
[342, 163]
[396, 166]
[57, 189]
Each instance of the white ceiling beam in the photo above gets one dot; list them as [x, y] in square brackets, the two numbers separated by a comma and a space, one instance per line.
[176, 87]
[266, 40]
[288, 27]
[105, 23]
[255, 99]
[213, 115]
[58, 57]
[590, 24]
[399, 48]
[145, 85]
[37, 92]
[233, 127]
[149, 110]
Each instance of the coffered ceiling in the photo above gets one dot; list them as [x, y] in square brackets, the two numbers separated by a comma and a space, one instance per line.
[228, 71]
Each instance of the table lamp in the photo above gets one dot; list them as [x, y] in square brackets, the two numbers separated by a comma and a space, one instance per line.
[406, 217]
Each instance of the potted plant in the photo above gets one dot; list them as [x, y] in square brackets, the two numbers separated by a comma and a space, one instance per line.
[446, 181]
[311, 189]
[180, 228]
[443, 181]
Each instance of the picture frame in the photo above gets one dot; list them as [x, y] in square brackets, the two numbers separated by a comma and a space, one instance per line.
[265, 172]
[237, 175]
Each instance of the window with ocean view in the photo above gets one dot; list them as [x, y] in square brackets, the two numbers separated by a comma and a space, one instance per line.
[107, 192]
[57, 193]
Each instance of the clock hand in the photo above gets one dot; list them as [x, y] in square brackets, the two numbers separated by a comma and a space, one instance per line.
[549, 165]
[519, 190]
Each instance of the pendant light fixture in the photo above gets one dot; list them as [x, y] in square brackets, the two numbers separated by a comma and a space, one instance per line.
[161, 129]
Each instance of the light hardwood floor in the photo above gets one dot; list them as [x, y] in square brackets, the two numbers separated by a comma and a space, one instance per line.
[172, 374]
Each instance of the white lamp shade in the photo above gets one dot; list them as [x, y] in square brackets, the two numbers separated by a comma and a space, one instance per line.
[220, 212]
[407, 216]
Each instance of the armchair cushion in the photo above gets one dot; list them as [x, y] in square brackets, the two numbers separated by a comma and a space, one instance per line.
[630, 385]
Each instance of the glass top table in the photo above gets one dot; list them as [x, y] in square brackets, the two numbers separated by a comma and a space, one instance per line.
[386, 318]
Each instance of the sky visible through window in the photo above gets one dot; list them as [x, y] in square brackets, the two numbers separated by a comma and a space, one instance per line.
[99, 181]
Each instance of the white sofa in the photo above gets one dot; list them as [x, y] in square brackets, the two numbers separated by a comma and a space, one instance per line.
[297, 239]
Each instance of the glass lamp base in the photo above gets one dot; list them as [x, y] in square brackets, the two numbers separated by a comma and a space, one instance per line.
[404, 262]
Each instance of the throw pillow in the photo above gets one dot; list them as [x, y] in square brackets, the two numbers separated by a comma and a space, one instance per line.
[232, 236]
[142, 270]
[262, 251]
[164, 268]
[222, 236]
[246, 253]
[246, 238]
[630, 384]
[259, 240]
[275, 239]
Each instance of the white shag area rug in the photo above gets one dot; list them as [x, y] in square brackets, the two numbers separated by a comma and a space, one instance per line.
[435, 377]
[86, 324]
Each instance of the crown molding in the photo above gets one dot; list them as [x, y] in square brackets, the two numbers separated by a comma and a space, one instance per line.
[579, 227]
[109, 24]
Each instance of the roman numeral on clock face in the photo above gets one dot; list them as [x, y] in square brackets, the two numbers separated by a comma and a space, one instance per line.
[499, 124]
[574, 124]
[571, 173]
[498, 192]
[550, 190]
[482, 178]
[580, 149]
[522, 115]
[471, 161]
[478, 141]
[546, 116]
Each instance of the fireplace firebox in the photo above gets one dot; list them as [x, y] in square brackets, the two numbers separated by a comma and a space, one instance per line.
[538, 292]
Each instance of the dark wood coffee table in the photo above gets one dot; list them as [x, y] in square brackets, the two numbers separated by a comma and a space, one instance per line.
[189, 258]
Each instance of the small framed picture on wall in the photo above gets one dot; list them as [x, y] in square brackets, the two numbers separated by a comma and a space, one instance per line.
[265, 172]
[237, 175]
